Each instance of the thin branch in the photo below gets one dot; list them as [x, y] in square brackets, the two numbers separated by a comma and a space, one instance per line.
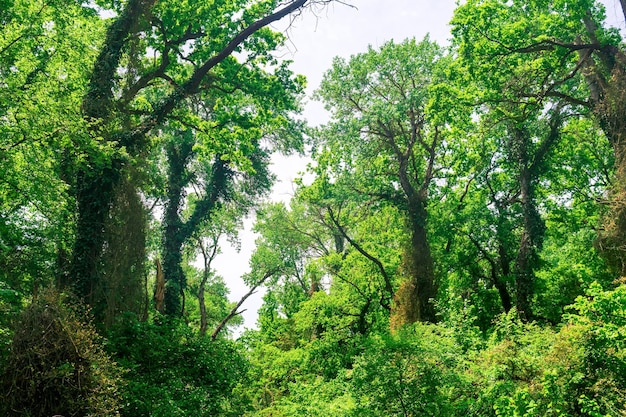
[359, 248]
[235, 310]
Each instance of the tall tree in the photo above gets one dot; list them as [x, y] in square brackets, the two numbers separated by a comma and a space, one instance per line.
[385, 137]
[46, 49]
[224, 157]
[121, 111]
[528, 149]
[554, 50]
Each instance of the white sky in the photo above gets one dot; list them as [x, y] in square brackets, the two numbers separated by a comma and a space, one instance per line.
[315, 39]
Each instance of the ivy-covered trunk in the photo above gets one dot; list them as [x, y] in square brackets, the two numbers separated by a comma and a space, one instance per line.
[530, 244]
[99, 175]
[415, 297]
[179, 153]
[176, 230]
[530, 162]
[604, 70]
[95, 190]
[611, 110]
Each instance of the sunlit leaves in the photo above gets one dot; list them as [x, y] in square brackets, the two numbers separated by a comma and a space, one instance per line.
[46, 50]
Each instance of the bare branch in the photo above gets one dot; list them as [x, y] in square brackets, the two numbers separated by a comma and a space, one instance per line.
[235, 310]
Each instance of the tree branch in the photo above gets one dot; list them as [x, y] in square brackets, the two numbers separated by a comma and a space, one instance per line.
[235, 310]
[359, 248]
[191, 85]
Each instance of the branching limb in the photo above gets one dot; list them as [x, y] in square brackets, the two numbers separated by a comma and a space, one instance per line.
[235, 310]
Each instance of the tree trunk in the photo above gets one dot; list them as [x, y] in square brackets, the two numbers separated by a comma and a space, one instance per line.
[611, 111]
[178, 155]
[159, 290]
[529, 165]
[414, 300]
[208, 260]
[607, 83]
[499, 283]
[526, 255]
[235, 310]
[421, 269]
[94, 196]
[122, 287]
[177, 232]
[175, 281]
[96, 179]
[202, 304]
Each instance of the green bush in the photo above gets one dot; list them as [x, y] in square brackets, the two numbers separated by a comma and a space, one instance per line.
[412, 373]
[173, 372]
[578, 369]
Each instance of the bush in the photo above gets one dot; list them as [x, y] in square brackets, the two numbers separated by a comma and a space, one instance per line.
[413, 372]
[56, 364]
[579, 370]
[173, 372]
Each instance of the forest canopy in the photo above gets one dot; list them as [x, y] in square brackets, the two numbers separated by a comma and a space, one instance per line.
[456, 244]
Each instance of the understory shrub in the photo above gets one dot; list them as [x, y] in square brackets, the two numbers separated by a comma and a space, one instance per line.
[174, 372]
[56, 364]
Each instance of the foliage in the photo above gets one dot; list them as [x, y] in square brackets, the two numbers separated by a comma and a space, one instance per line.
[440, 257]
[173, 372]
[385, 145]
[57, 364]
[413, 372]
[526, 370]
[46, 49]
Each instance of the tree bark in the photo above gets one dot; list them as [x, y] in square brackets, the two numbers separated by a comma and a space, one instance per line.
[421, 269]
[500, 284]
[159, 290]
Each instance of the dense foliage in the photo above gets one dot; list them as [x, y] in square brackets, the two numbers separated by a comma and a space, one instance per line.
[57, 364]
[455, 248]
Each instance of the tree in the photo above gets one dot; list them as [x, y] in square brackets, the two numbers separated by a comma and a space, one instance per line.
[45, 52]
[122, 112]
[289, 244]
[369, 241]
[386, 139]
[554, 50]
[224, 224]
[225, 157]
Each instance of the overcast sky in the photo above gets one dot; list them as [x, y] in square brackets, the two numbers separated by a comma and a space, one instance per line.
[315, 38]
